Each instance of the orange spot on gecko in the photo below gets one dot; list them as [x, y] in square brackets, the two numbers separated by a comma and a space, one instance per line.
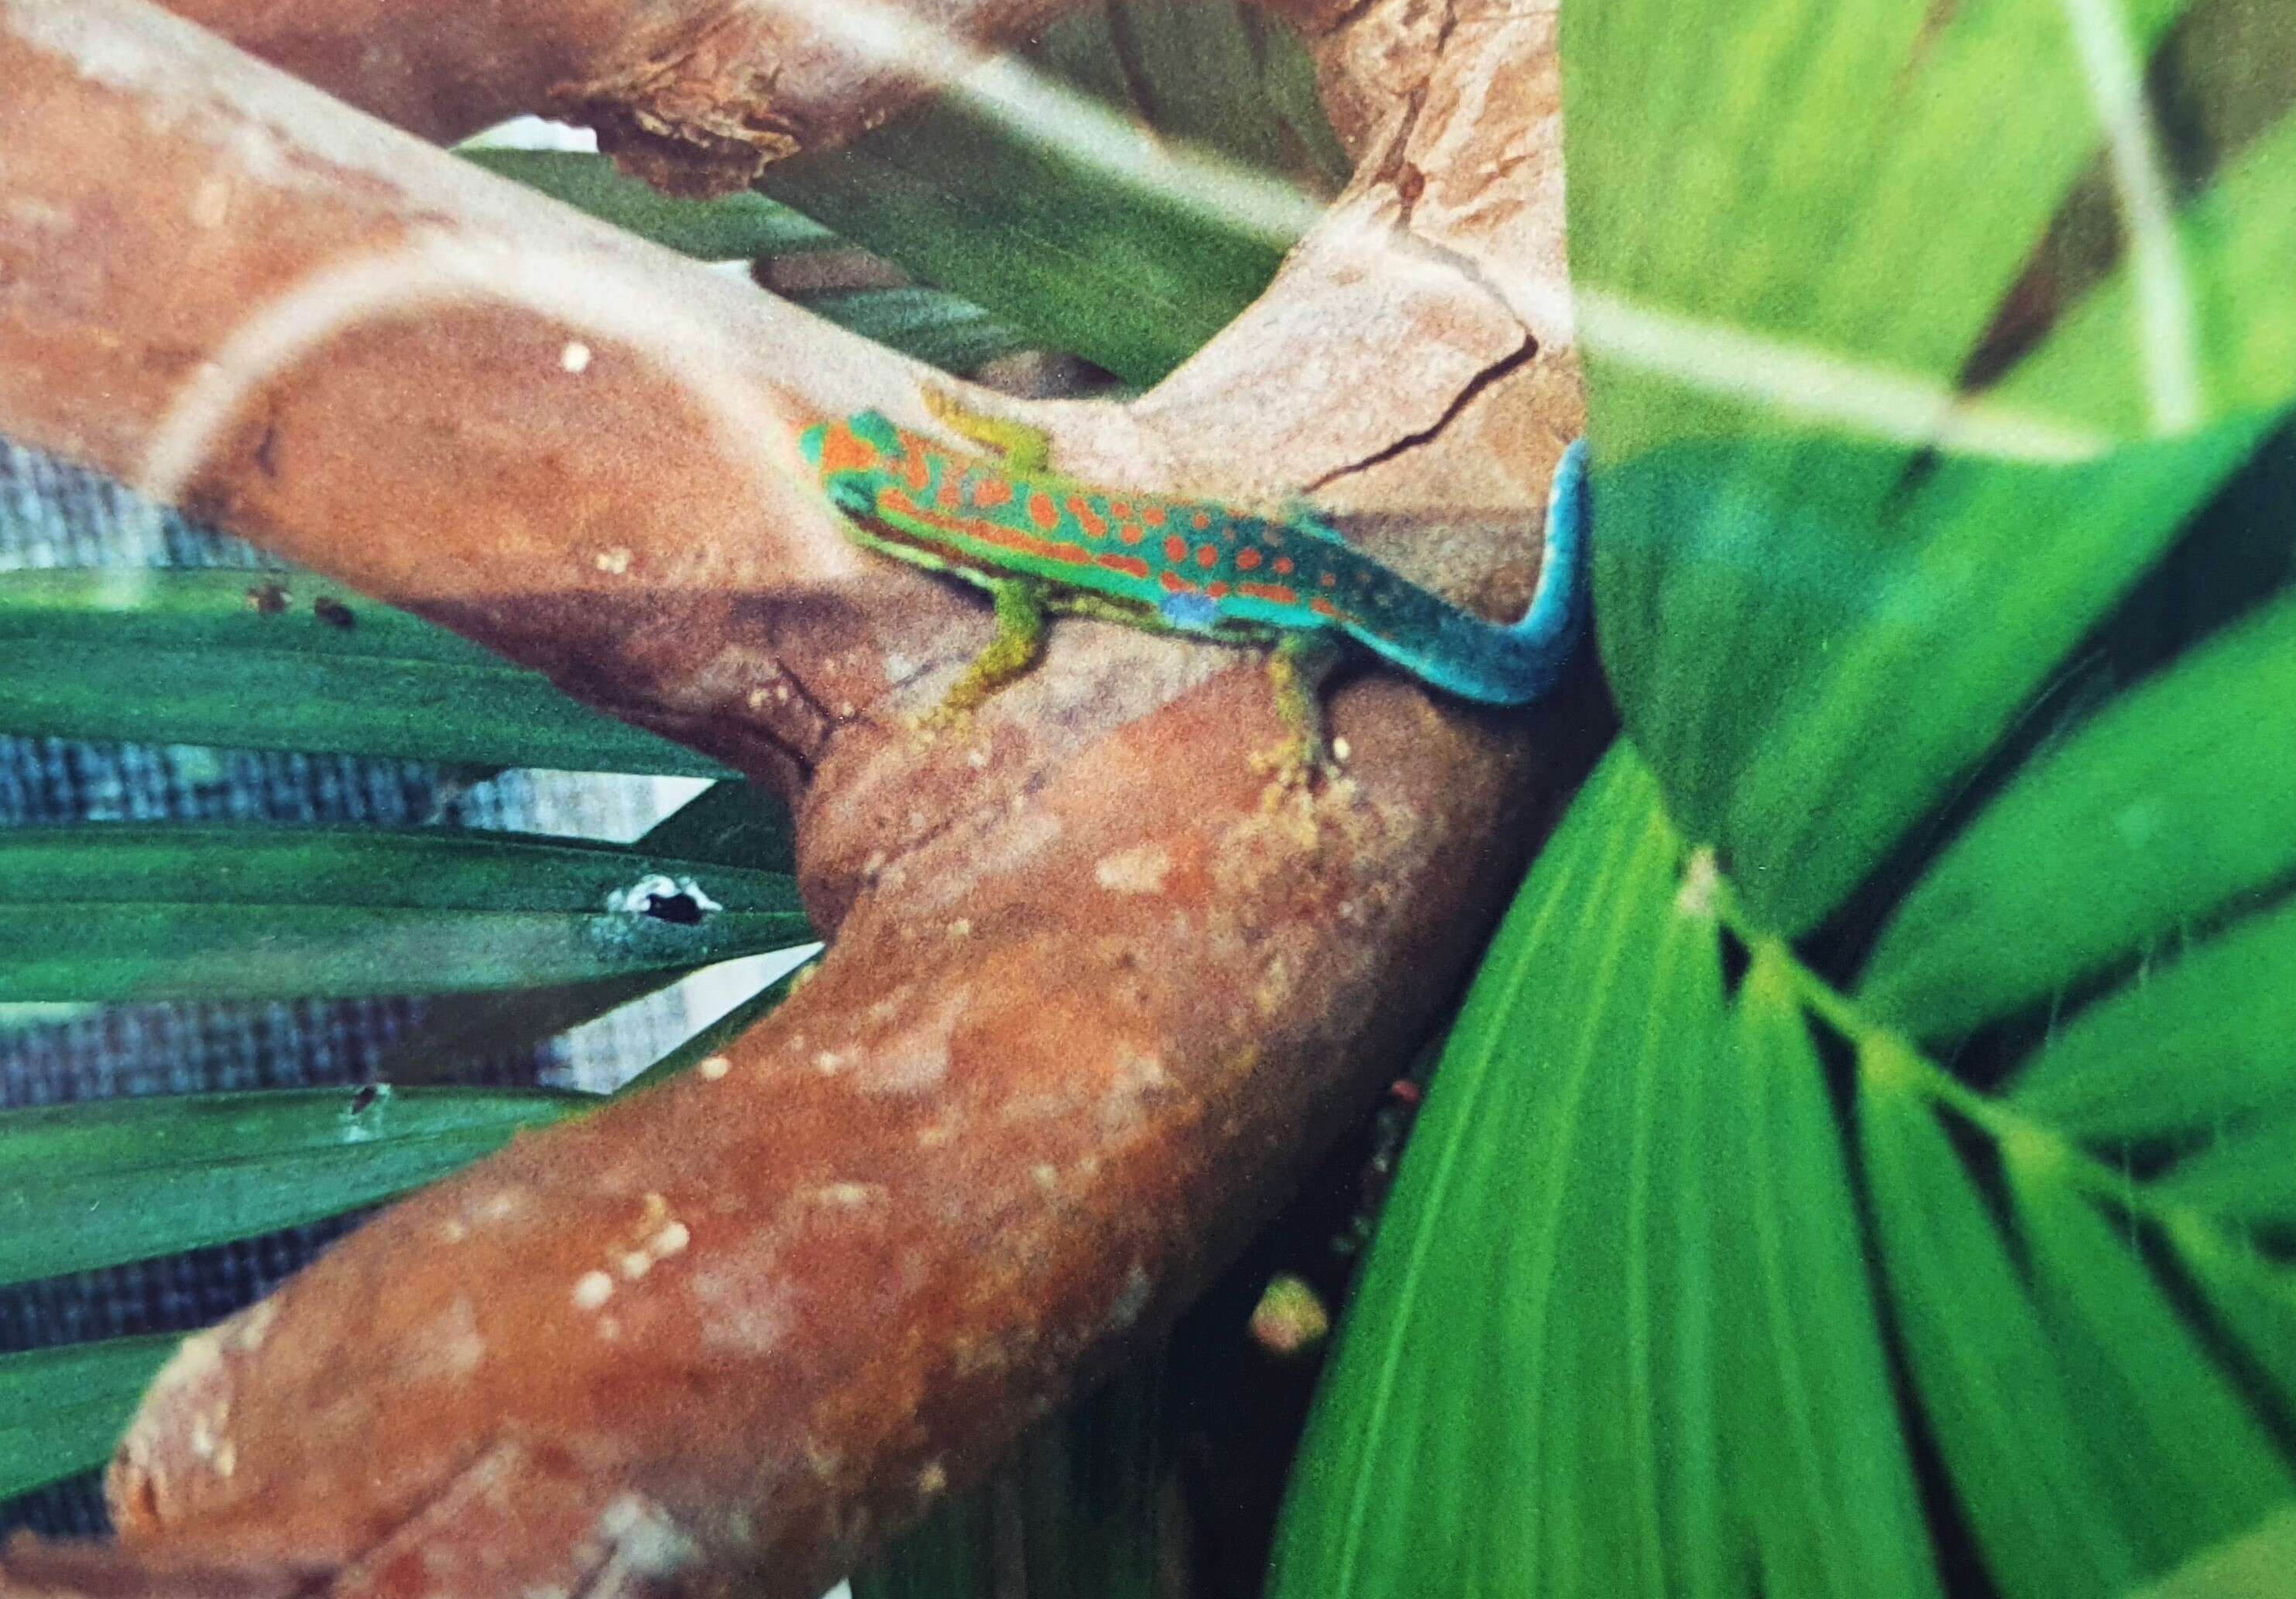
[1208, 555]
[1284, 566]
[1203, 518]
[895, 504]
[1154, 515]
[1175, 584]
[1176, 549]
[1120, 509]
[1086, 518]
[951, 496]
[991, 492]
[1215, 589]
[1329, 579]
[1248, 561]
[844, 450]
[1323, 607]
[916, 471]
[1131, 532]
[1131, 566]
[1282, 594]
[1042, 511]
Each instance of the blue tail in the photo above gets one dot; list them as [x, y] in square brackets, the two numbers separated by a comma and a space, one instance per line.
[1464, 655]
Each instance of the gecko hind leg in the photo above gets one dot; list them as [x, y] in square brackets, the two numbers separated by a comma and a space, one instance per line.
[1019, 640]
[1020, 446]
[1296, 667]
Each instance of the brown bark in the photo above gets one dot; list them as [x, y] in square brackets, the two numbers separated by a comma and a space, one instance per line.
[1092, 1001]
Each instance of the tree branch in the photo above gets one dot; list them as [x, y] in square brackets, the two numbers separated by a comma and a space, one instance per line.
[1092, 1004]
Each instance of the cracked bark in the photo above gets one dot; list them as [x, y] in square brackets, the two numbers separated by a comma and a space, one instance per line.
[1090, 1006]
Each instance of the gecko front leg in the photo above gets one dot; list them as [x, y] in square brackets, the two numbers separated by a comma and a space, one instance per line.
[1019, 640]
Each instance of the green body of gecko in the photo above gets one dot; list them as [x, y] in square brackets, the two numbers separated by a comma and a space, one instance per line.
[1040, 542]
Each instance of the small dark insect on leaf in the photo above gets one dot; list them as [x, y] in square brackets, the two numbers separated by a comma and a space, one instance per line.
[334, 613]
[680, 908]
[266, 599]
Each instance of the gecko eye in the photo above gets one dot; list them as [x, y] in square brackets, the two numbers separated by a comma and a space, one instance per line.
[851, 496]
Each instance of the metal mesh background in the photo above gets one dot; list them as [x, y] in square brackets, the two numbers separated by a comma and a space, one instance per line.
[52, 514]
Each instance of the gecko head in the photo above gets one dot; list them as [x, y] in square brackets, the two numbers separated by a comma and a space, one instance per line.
[876, 430]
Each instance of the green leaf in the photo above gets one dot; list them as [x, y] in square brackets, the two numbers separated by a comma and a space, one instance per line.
[1865, 185]
[123, 912]
[62, 1409]
[727, 822]
[2253, 1565]
[93, 1184]
[1982, 1360]
[2168, 804]
[1526, 1394]
[929, 324]
[731, 228]
[252, 660]
[1824, 1475]
[2247, 1176]
[1072, 221]
[2191, 1463]
[2189, 1046]
[1764, 608]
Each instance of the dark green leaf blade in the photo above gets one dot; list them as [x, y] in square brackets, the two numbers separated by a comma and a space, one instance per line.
[93, 1184]
[1982, 1361]
[728, 822]
[250, 659]
[930, 324]
[2203, 1043]
[730, 228]
[1764, 608]
[2170, 802]
[2191, 1464]
[1067, 220]
[62, 1409]
[1819, 1455]
[130, 912]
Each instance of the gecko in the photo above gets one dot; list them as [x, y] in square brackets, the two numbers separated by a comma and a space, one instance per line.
[1044, 543]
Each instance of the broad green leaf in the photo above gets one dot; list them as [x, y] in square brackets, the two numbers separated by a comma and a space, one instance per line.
[1525, 1395]
[1818, 1459]
[731, 228]
[2253, 1565]
[931, 324]
[2235, 252]
[93, 1184]
[2253, 1296]
[1069, 220]
[62, 1409]
[728, 822]
[1861, 210]
[2246, 1176]
[123, 912]
[2168, 804]
[1861, 184]
[1984, 1367]
[1765, 609]
[2190, 1463]
[285, 660]
[2200, 1043]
